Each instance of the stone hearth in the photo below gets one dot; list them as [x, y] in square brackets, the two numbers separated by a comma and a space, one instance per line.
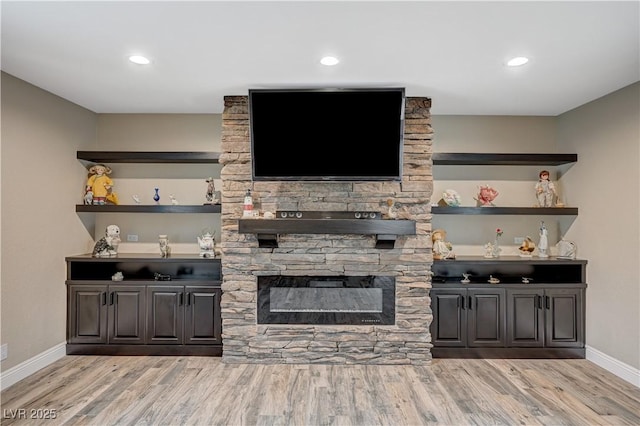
[408, 340]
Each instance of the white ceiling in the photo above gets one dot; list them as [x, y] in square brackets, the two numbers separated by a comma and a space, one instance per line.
[452, 52]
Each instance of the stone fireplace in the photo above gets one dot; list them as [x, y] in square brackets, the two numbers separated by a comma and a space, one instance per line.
[371, 320]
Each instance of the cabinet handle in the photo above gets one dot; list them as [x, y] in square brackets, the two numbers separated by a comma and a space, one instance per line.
[539, 301]
[188, 298]
[111, 298]
[547, 302]
[103, 298]
[470, 303]
[461, 298]
[181, 302]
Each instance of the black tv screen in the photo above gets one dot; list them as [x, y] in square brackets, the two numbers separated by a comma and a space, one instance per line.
[327, 134]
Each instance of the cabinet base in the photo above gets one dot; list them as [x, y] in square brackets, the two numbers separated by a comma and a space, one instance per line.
[521, 353]
[132, 350]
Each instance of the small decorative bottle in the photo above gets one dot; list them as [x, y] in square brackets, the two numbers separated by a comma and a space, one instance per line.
[247, 207]
[163, 241]
[156, 196]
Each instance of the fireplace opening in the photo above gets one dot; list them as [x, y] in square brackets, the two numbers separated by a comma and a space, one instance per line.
[326, 300]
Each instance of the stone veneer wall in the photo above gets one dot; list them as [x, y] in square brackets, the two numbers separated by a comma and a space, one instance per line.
[406, 342]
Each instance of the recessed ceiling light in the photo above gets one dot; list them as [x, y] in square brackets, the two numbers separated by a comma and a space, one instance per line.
[329, 61]
[140, 60]
[517, 61]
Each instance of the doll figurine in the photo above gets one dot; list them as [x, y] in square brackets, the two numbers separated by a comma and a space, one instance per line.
[545, 190]
[100, 185]
[441, 248]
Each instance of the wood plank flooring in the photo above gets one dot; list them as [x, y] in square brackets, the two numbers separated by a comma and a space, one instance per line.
[145, 390]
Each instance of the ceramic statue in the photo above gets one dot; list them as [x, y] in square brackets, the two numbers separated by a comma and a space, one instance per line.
[107, 246]
[163, 242]
[207, 244]
[566, 249]
[527, 247]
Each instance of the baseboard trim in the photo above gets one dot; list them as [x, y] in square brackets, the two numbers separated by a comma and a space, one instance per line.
[620, 369]
[30, 366]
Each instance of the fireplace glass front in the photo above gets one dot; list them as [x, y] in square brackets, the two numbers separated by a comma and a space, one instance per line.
[326, 300]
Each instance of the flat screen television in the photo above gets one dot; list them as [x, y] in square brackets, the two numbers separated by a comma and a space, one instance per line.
[327, 134]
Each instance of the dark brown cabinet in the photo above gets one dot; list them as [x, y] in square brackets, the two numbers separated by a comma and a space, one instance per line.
[509, 319]
[473, 318]
[545, 317]
[183, 315]
[139, 315]
[106, 314]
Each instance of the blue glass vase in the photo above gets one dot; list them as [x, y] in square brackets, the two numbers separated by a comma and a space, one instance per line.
[156, 197]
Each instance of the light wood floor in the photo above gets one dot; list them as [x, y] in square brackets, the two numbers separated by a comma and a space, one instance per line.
[104, 390]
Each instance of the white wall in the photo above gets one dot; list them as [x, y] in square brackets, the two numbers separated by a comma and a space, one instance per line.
[41, 180]
[606, 135]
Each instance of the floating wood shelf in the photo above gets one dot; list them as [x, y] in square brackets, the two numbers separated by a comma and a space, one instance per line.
[546, 211]
[149, 156]
[111, 208]
[386, 231]
[463, 158]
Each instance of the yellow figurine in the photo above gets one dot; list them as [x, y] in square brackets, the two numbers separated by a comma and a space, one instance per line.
[99, 188]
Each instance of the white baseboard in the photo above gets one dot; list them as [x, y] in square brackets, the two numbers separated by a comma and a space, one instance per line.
[620, 369]
[30, 366]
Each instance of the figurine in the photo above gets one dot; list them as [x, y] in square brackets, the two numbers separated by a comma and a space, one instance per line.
[88, 197]
[100, 185]
[451, 198]
[492, 250]
[545, 190]
[566, 249]
[486, 195]
[527, 247]
[526, 280]
[391, 212]
[136, 199]
[117, 276]
[465, 279]
[211, 191]
[107, 246]
[441, 249]
[163, 241]
[207, 244]
[173, 200]
[543, 244]
[493, 280]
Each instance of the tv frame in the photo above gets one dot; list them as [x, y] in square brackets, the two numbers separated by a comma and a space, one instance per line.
[315, 178]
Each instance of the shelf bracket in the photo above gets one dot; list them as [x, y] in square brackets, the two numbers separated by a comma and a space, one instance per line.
[267, 240]
[385, 241]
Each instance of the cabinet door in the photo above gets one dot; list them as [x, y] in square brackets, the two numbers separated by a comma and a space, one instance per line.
[448, 328]
[564, 318]
[202, 315]
[87, 310]
[165, 314]
[525, 318]
[486, 318]
[126, 314]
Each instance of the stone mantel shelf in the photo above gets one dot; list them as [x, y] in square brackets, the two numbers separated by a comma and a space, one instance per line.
[386, 231]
